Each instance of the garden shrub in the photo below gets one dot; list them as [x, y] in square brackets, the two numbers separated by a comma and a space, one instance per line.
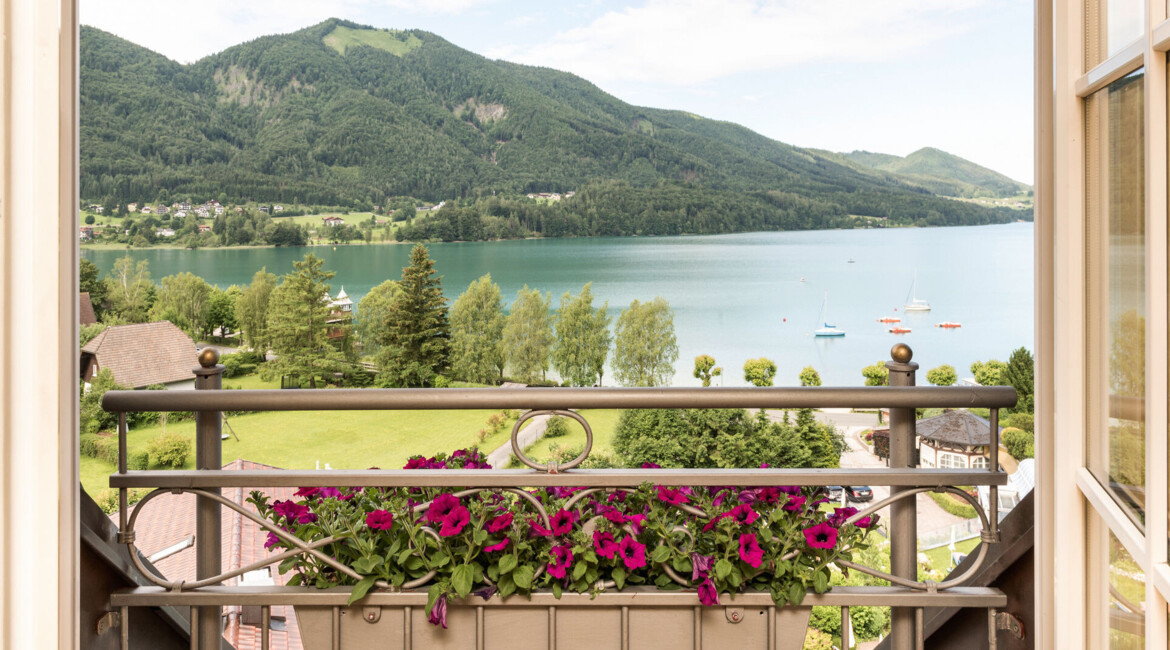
[1020, 444]
[952, 505]
[818, 640]
[441, 382]
[107, 499]
[1025, 421]
[89, 444]
[138, 460]
[169, 450]
[556, 427]
[106, 448]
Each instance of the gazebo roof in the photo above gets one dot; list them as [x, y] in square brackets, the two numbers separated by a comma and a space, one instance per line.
[956, 427]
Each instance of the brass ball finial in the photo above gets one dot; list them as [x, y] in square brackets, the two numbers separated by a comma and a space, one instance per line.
[901, 353]
[208, 357]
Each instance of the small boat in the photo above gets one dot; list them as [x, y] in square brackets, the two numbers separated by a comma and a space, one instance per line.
[889, 319]
[802, 279]
[913, 302]
[899, 330]
[949, 324]
[828, 329]
[850, 261]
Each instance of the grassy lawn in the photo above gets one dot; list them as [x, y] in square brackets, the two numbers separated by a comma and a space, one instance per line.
[940, 558]
[602, 421]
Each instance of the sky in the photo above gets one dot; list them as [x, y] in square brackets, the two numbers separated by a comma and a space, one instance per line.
[890, 76]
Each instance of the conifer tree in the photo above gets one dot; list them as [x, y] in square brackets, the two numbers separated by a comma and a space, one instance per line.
[1020, 374]
[416, 341]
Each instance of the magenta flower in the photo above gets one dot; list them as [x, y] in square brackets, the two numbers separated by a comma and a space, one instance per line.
[618, 517]
[604, 544]
[562, 492]
[769, 495]
[499, 523]
[562, 522]
[840, 515]
[701, 566]
[708, 594]
[748, 496]
[454, 522]
[418, 462]
[617, 496]
[821, 536]
[306, 492]
[673, 496]
[790, 490]
[438, 613]
[380, 520]
[328, 492]
[750, 551]
[743, 514]
[649, 465]
[795, 503]
[459, 453]
[272, 540]
[537, 529]
[866, 522]
[294, 511]
[562, 559]
[441, 507]
[633, 553]
[714, 520]
[497, 547]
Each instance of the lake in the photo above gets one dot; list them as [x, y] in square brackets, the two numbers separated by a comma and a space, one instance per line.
[735, 297]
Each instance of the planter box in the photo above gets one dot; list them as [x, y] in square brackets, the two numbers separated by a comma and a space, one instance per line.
[576, 621]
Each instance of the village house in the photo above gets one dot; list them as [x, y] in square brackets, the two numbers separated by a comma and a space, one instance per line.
[954, 440]
[264, 208]
[278, 208]
[204, 227]
[162, 209]
[333, 221]
[132, 207]
[219, 209]
[165, 232]
[146, 209]
[141, 355]
[86, 232]
[340, 313]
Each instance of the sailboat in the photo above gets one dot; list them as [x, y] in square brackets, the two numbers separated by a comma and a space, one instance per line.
[913, 303]
[828, 329]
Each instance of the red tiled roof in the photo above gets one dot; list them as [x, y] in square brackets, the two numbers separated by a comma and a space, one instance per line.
[87, 315]
[144, 354]
[169, 518]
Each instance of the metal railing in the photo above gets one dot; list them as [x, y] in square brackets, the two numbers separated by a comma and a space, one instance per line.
[206, 595]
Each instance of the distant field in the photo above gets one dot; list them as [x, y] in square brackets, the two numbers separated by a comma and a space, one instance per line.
[603, 422]
[343, 37]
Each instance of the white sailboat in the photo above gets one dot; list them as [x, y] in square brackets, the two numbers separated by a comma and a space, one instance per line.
[828, 329]
[913, 302]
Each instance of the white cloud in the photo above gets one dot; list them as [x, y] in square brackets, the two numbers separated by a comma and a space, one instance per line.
[694, 41]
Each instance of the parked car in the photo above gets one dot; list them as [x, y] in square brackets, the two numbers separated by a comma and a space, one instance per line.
[859, 493]
[833, 492]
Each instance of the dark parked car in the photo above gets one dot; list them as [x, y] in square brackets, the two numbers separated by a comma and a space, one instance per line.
[833, 492]
[859, 493]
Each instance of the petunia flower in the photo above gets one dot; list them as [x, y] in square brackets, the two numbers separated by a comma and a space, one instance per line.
[840, 515]
[306, 492]
[701, 565]
[329, 492]
[714, 520]
[604, 544]
[438, 613]
[380, 520]
[748, 496]
[649, 465]
[537, 529]
[418, 462]
[866, 522]
[497, 547]
[633, 553]
[673, 496]
[743, 514]
[454, 522]
[297, 512]
[795, 503]
[441, 507]
[821, 536]
[708, 594]
[485, 593]
[562, 559]
[791, 490]
[750, 551]
[499, 523]
[562, 522]
[769, 495]
[272, 540]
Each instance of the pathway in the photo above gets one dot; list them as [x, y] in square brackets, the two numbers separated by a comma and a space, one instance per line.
[499, 457]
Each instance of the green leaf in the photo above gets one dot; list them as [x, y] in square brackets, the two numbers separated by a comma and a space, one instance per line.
[493, 572]
[661, 554]
[433, 594]
[682, 564]
[619, 576]
[579, 570]
[735, 578]
[440, 559]
[722, 568]
[523, 576]
[480, 536]
[461, 579]
[404, 556]
[294, 581]
[557, 590]
[367, 565]
[506, 586]
[821, 582]
[361, 589]
[507, 563]
[795, 593]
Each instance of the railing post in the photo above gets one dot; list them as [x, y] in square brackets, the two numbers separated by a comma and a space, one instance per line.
[208, 455]
[903, 513]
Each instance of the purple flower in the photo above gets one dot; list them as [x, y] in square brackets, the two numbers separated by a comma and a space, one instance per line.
[840, 515]
[750, 551]
[701, 565]
[562, 492]
[866, 522]
[499, 523]
[791, 490]
[708, 594]
[327, 492]
[454, 522]
[821, 536]
[795, 503]
[743, 514]
[769, 495]
[272, 540]
[294, 511]
[633, 553]
[764, 466]
[562, 522]
[649, 465]
[459, 453]
[380, 520]
[306, 492]
[438, 613]
[537, 529]
[485, 593]
[497, 547]
[562, 558]
[673, 496]
[441, 507]
[617, 496]
[748, 496]
[604, 544]
[418, 462]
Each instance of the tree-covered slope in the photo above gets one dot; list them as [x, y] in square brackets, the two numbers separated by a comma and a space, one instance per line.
[341, 114]
[942, 173]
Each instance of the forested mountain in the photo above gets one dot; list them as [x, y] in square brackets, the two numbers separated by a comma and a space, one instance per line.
[344, 115]
[942, 173]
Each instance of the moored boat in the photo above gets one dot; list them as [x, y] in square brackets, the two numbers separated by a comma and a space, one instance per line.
[899, 330]
[913, 302]
[828, 329]
[889, 319]
[948, 324]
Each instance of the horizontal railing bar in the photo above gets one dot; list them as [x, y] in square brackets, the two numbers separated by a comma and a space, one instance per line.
[397, 399]
[631, 597]
[531, 478]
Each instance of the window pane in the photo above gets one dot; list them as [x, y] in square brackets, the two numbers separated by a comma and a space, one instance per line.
[1117, 592]
[1112, 24]
[1116, 295]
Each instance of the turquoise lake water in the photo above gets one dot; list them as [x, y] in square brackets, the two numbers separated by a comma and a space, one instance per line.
[735, 297]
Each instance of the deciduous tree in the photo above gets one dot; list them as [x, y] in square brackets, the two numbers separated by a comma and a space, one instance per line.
[705, 369]
[809, 376]
[876, 375]
[183, 299]
[477, 332]
[759, 372]
[252, 310]
[989, 373]
[221, 310]
[645, 347]
[130, 291]
[373, 314]
[944, 375]
[297, 327]
[582, 339]
[528, 335]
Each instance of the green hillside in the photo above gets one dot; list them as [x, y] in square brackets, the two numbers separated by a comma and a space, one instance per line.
[942, 173]
[344, 115]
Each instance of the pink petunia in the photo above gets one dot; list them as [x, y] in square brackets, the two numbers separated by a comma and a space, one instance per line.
[329, 492]
[537, 529]
[499, 523]
[380, 520]
[454, 522]
[708, 594]
[795, 503]
[770, 495]
[821, 536]
[673, 496]
[306, 492]
[441, 507]
[743, 514]
[294, 511]
[562, 522]
[701, 565]
[866, 522]
[604, 543]
[418, 462]
[649, 465]
[750, 551]
[714, 520]
[633, 553]
[499, 546]
[438, 613]
[562, 559]
[840, 515]
[272, 540]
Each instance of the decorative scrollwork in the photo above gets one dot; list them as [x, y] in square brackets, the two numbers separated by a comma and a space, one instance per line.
[552, 467]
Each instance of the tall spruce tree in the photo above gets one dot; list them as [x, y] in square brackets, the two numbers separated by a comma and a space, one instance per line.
[477, 332]
[416, 342]
[1020, 374]
[582, 340]
[298, 327]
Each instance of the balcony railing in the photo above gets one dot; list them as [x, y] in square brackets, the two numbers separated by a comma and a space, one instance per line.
[207, 594]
